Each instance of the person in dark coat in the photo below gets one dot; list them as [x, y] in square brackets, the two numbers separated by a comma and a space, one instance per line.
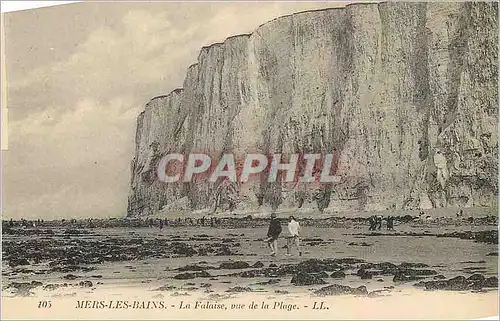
[272, 234]
[373, 223]
[390, 223]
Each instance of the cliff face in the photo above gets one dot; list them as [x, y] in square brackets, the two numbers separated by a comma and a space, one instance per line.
[404, 94]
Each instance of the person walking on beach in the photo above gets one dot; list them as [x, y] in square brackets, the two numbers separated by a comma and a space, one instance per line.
[293, 238]
[272, 234]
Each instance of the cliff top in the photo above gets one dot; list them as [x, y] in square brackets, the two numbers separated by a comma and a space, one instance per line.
[206, 48]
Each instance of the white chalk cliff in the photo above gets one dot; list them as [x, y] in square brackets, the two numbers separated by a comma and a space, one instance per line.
[404, 94]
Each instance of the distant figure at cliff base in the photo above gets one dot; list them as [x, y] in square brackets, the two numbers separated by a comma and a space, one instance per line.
[390, 223]
[372, 220]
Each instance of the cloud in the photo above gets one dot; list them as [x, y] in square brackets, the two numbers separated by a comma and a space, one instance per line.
[107, 64]
[77, 132]
[77, 165]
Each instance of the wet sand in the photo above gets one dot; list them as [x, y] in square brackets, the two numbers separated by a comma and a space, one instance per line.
[381, 274]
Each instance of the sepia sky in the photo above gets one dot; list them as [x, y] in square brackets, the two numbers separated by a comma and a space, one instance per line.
[77, 77]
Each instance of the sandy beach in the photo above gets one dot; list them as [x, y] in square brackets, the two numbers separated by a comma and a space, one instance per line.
[411, 272]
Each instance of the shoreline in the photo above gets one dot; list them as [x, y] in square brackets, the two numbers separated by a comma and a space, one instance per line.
[302, 213]
[343, 263]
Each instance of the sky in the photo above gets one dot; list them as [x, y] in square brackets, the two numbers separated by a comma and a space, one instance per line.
[79, 74]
